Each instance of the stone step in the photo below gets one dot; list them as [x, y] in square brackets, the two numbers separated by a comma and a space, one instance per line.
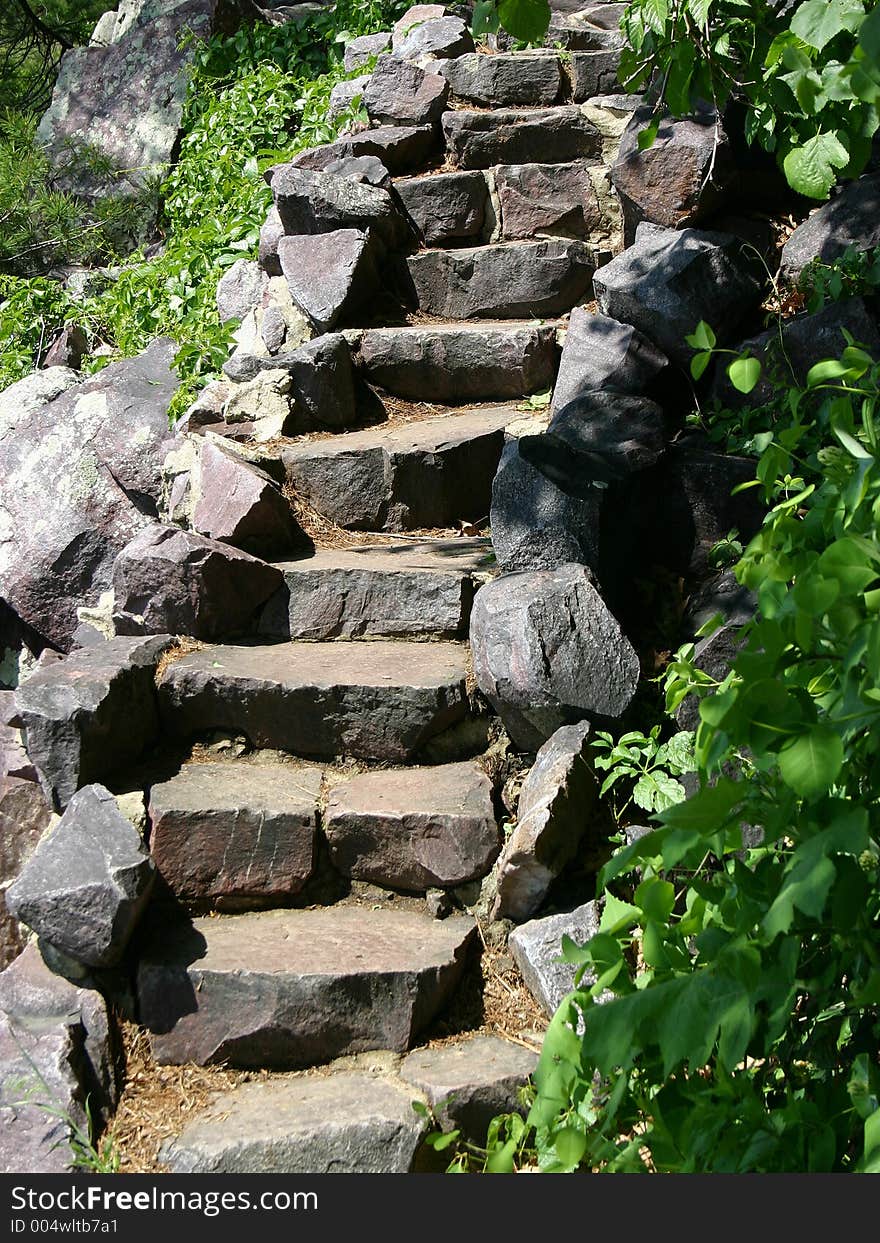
[378, 699]
[483, 138]
[513, 280]
[289, 989]
[415, 828]
[414, 589]
[461, 362]
[236, 834]
[428, 473]
[507, 79]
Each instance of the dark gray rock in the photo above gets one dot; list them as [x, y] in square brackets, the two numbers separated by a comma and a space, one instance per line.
[429, 473]
[86, 884]
[680, 179]
[446, 207]
[270, 235]
[312, 202]
[552, 817]
[601, 353]
[405, 590]
[372, 700]
[80, 475]
[719, 594]
[239, 504]
[414, 829]
[699, 509]
[331, 274]
[594, 73]
[547, 652]
[139, 67]
[559, 199]
[592, 28]
[236, 834]
[344, 1123]
[32, 996]
[713, 655]
[321, 394]
[596, 439]
[91, 713]
[852, 218]
[471, 1082]
[521, 280]
[286, 989]
[535, 525]
[359, 52]
[168, 581]
[239, 290]
[367, 169]
[519, 136]
[440, 37]
[24, 817]
[457, 364]
[346, 95]
[504, 80]
[401, 148]
[789, 350]
[36, 1070]
[537, 945]
[399, 93]
[669, 280]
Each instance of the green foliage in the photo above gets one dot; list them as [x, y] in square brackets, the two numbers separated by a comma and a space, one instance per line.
[33, 36]
[729, 1001]
[648, 767]
[809, 75]
[257, 98]
[854, 273]
[526, 20]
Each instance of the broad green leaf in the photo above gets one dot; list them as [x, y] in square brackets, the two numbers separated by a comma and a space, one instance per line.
[744, 374]
[702, 337]
[700, 362]
[707, 810]
[501, 1161]
[811, 169]
[817, 22]
[570, 1145]
[648, 134]
[618, 916]
[485, 20]
[655, 13]
[811, 763]
[525, 19]
[850, 562]
[656, 898]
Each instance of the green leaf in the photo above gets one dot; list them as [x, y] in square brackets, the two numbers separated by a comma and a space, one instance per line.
[618, 916]
[707, 810]
[700, 362]
[656, 898]
[817, 22]
[485, 20]
[702, 337]
[525, 19]
[647, 136]
[501, 1161]
[811, 763]
[744, 374]
[810, 169]
[570, 1145]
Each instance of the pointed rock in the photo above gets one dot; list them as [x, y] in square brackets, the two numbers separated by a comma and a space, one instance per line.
[239, 504]
[399, 93]
[330, 274]
[537, 946]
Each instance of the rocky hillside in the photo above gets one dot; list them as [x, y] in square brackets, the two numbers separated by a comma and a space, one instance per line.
[301, 693]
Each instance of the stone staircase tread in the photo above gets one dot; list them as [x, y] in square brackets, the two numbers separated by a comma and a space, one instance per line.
[454, 556]
[435, 431]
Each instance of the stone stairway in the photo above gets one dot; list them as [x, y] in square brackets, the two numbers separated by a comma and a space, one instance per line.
[348, 688]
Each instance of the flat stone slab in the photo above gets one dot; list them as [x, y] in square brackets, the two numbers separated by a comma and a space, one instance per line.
[289, 989]
[461, 362]
[399, 590]
[414, 829]
[344, 1123]
[401, 148]
[470, 1082]
[504, 80]
[233, 833]
[371, 700]
[512, 280]
[446, 206]
[428, 473]
[519, 136]
[559, 199]
[537, 945]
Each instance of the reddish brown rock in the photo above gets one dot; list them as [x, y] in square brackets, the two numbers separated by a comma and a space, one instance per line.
[399, 93]
[235, 834]
[558, 199]
[329, 274]
[240, 504]
[414, 829]
[24, 817]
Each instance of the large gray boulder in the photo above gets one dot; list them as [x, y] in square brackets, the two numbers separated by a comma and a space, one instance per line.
[552, 817]
[669, 280]
[239, 289]
[91, 713]
[321, 393]
[86, 884]
[852, 218]
[401, 148]
[168, 581]
[506, 80]
[123, 94]
[547, 652]
[322, 202]
[360, 51]
[344, 1123]
[81, 476]
[440, 37]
